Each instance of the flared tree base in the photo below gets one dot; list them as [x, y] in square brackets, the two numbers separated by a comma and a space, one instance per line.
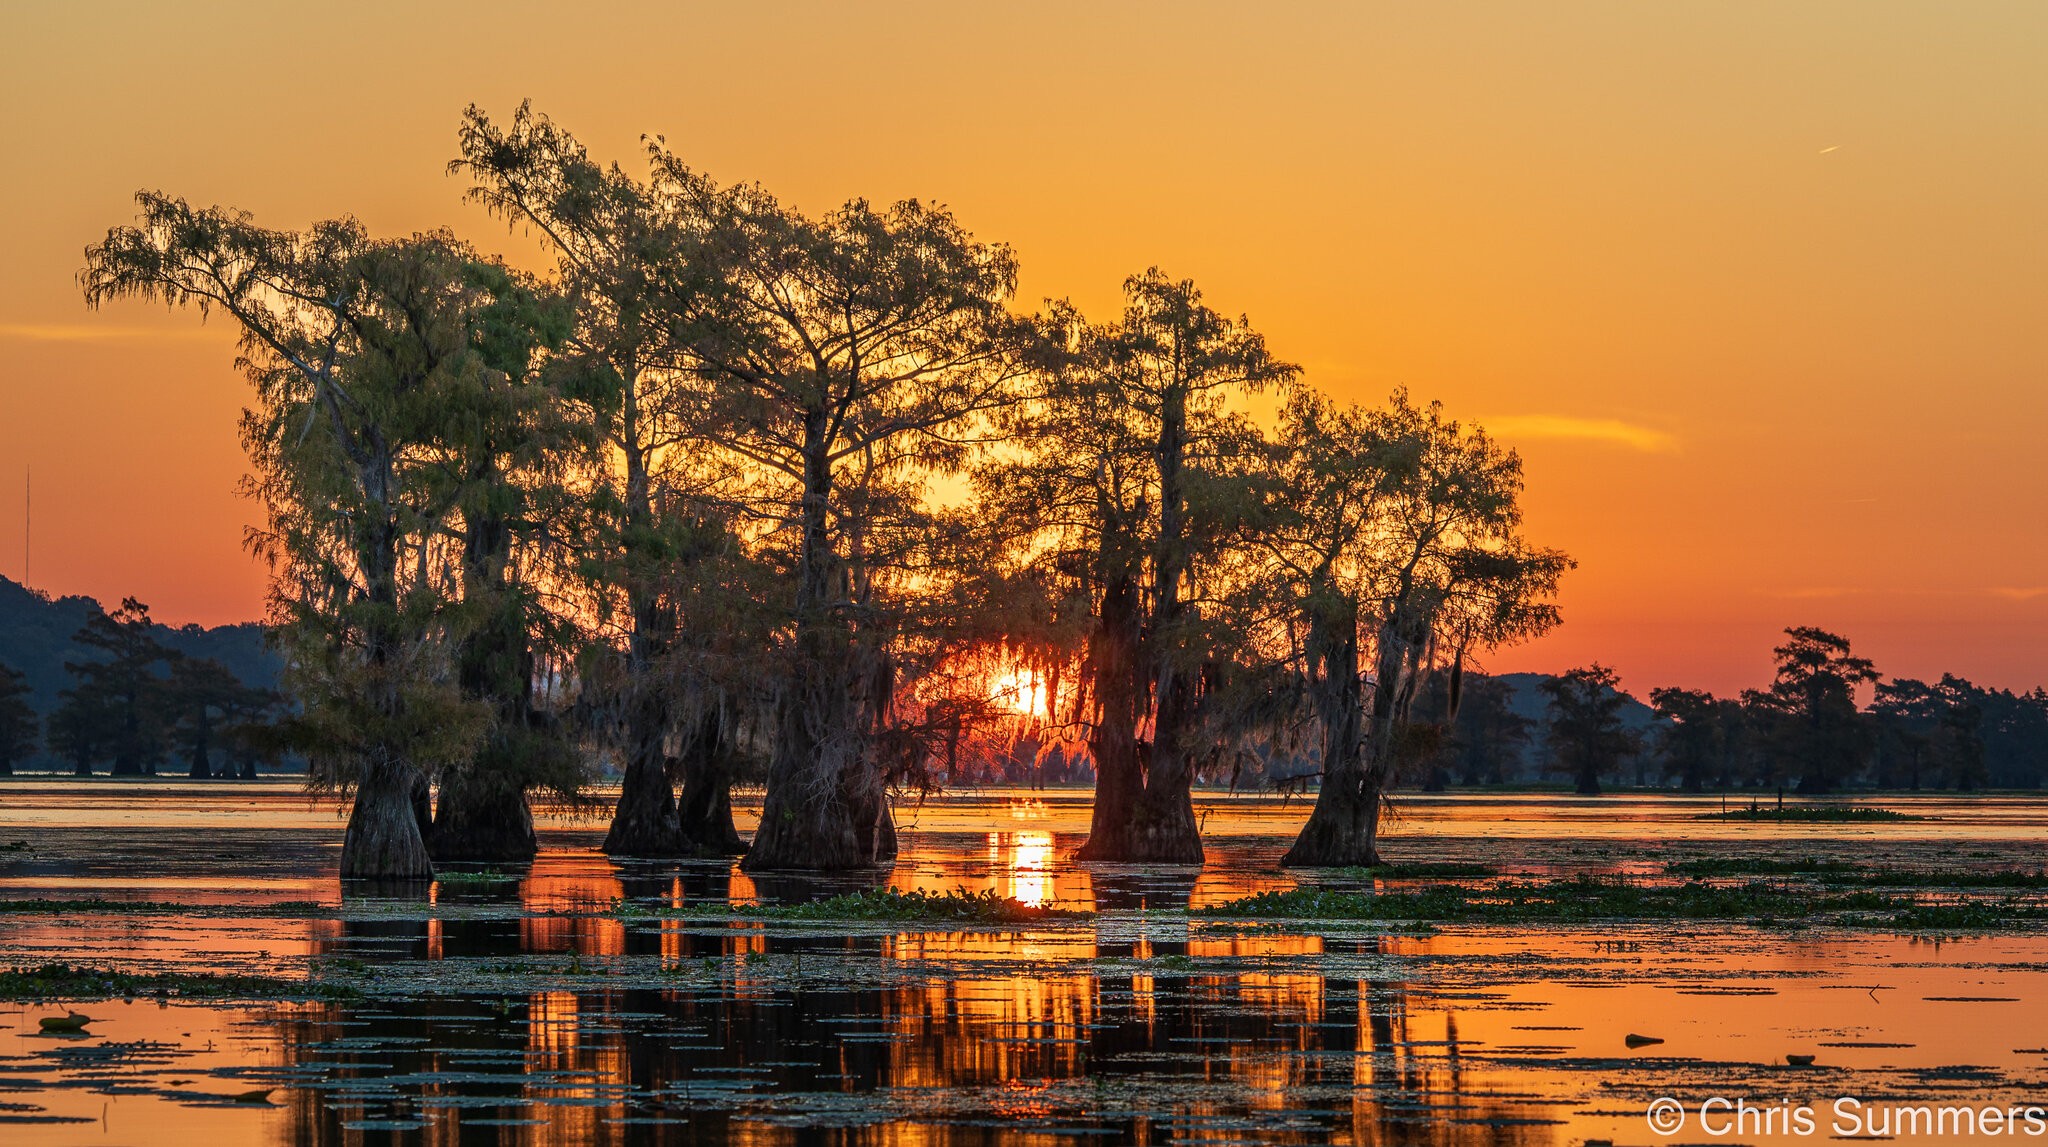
[482, 823]
[1150, 835]
[645, 823]
[1342, 832]
[834, 837]
[383, 841]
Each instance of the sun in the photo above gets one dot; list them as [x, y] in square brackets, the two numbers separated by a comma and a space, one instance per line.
[1018, 690]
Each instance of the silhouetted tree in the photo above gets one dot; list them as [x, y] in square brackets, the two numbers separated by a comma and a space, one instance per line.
[251, 731]
[1959, 736]
[1694, 740]
[651, 534]
[200, 695]
[120, 690]
[18, 723]
[850, 359]
[2015, 733]
[1586, 731]
[358, 350]
[1122, 496]
[498, 446]
[1396, 545]
[1907, 713]
[1488, 736]
[1810, 720]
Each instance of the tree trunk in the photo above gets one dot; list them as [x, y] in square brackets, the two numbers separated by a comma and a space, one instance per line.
[1145, 812]
[1120, 773]
[202, 766]
[482, 817]
[811, 818]
[645, 822]
[705, 809]
[1159, 827]
[1344, 828]
[822, 787]
[1343, 831]
[383, 837]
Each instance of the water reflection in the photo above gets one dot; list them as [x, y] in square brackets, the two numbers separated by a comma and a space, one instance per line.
[523, 1007]
[971, 1060]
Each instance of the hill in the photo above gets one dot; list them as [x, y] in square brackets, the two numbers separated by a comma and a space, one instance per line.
[36, 631]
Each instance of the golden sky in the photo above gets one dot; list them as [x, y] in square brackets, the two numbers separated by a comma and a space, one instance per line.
[1758, 289]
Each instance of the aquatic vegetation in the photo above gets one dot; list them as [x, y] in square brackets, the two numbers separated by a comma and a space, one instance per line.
[1990, 878]
[1759, 866]
[959, 905]
[99, 907]
[1848, 872]
[62, 907]
[485, 876]
[1588, 899]
[1819, 814]
[79, 982]
[1423, 871]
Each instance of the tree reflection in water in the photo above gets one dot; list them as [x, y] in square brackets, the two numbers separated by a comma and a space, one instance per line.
[1132, 1031]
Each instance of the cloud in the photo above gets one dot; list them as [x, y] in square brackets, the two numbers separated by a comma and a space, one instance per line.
[93, 332]
[2020, 592]
[1609, 430]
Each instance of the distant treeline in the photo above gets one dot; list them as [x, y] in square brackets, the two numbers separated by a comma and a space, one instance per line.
[1807, 731]
[121, 693]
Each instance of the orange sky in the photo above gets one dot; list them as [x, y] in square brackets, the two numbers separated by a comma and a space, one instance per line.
[1757, 289]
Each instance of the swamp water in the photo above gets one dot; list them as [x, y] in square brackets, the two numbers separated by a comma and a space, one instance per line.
[561, 1005]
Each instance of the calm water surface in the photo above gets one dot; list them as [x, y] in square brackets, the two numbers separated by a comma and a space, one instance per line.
[531, 1010]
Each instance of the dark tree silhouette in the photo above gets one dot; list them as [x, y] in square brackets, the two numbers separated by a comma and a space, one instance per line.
[1586, 733]
[1396, 550]
[18, 723]
[851, 358]
[671, 595]
[1122, 499]
[1694, 740]
[120, 690]
[1908, 713]
[1488, 735]
[201, 696]
[1959, 734]
[1809, 715]
[360, 351]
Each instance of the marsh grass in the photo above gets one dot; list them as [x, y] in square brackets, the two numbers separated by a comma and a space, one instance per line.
[1438, 871]
[1819, 814]
[78, 982]
[46, 907]
[472, 879]
[957, 906]
[1842, 872]
[1587, 900]
[1761, 866]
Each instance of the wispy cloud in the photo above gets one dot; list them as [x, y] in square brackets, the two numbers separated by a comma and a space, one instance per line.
[2006, 593]
[94, 332]
[1609, 430]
